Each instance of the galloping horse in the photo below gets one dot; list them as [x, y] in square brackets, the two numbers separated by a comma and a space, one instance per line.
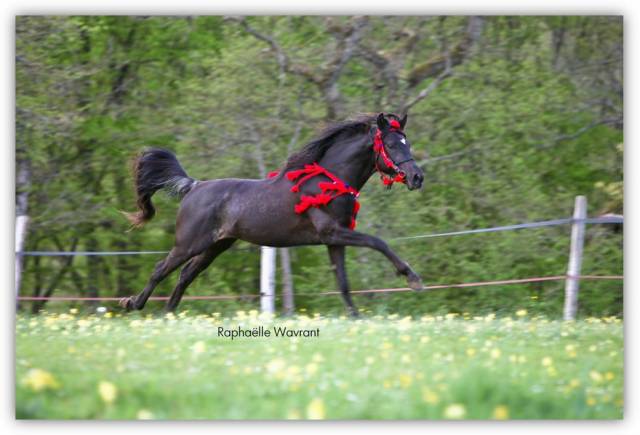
[320, 206]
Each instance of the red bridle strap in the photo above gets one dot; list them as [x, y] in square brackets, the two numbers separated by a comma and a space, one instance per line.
[378, 148]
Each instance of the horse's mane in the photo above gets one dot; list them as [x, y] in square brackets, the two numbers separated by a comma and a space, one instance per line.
[314, 150]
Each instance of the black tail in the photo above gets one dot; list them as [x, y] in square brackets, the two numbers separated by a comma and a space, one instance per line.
[156, 169]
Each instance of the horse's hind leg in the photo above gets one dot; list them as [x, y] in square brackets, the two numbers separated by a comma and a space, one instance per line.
[197, 264]
[163, 268]
[336, 254]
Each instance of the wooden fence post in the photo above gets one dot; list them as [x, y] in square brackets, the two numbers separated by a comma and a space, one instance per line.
[267, 279]
[22, 222]
[288, 304]
[572, 283]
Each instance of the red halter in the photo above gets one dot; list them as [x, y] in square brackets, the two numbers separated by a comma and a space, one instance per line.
[378, 148]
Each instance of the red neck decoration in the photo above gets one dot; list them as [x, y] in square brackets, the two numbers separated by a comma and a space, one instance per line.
[378, 148]
[330, 190]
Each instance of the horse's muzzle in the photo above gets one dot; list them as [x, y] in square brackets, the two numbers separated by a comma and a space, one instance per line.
[413, 175]
[415, 181]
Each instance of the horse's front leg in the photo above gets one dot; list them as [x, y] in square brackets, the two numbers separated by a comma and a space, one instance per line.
[341, 236]
[336, 254]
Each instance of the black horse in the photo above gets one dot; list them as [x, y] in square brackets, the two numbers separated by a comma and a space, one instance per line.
[319, 209]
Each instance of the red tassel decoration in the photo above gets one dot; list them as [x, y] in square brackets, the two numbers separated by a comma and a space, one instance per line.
[330, 190]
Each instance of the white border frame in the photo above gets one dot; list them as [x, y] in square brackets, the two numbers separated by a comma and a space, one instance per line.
[11, 8]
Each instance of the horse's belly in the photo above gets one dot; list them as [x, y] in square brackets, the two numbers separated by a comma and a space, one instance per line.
[279, 231]
[269, 220]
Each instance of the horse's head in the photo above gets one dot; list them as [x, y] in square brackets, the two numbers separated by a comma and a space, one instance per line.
[393, 153]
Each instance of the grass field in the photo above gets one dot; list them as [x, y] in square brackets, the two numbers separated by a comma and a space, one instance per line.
[176, 367]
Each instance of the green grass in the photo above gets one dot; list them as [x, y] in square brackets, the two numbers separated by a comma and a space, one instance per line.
[375, 368]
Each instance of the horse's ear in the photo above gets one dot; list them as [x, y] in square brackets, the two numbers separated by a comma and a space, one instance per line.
[382, 122]
[403, 121]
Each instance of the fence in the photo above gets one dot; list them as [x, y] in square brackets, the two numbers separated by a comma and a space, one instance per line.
[267, 292]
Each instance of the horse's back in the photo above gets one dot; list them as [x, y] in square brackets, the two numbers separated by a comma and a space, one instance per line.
[257, 211]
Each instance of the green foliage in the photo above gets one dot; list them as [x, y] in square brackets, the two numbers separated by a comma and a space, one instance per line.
[529, 119]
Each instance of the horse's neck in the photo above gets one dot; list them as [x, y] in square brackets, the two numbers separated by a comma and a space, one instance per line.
[351, 161]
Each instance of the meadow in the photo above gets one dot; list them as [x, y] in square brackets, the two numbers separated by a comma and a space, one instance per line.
[111, 366]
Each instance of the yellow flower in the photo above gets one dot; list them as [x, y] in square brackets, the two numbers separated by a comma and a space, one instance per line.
[293, 414]
[316, 410]
[429, 396]
[495, 353]
[145, 414]
[311, 368]
[369, 360]
[521, 313]
[405, 338]
[276, 365]
[609, 376]
[405, 380]
[73, 311]
[455, 411]
[199, 347]
[108, 392]
[591, 401]
[405, 358]
[471, 351]
[547, 361]
[38, 380]
[501, 412]
[595, 376]
[293, 370]
[574, 383]
[424, 339]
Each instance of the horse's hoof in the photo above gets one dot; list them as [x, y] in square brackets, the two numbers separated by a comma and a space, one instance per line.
[126, 303]
[415, 283]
